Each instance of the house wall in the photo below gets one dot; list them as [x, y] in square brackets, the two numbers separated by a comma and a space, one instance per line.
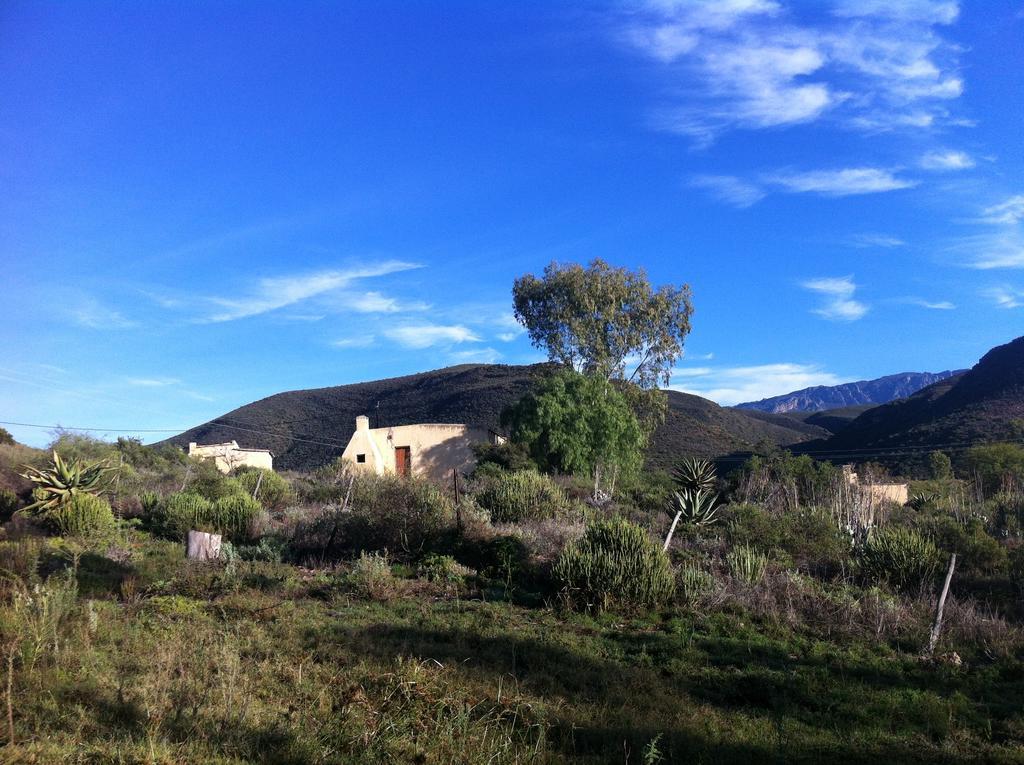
[229, 456]
[435, 449]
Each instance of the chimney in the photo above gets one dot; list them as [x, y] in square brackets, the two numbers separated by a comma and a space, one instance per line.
[362, 422]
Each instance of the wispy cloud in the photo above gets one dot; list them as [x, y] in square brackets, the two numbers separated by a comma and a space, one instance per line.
[1009, 212]
[363, 341]
[152, 382]
[428, 335]
[734, 385]
[758, 64]
[946, 160]
[277, 292]
[876, 240]
[838, 292]
[1006, 297]
[90, 313]
[730, 189]
[375, 302]
[934, 305]
[986, 252]
[840, 183]
[480, 356]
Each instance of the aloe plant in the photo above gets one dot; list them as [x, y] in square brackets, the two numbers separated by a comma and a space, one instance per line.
[57, 485]
[694, 503]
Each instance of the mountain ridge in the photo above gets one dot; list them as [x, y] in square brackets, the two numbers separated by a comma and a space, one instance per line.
[821, 398]
[310, 427]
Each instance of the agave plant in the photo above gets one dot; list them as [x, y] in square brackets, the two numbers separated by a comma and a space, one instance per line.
[59, 484]
[694, 474]
[695, 503]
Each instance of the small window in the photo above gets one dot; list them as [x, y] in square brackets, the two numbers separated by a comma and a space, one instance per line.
[360, 458]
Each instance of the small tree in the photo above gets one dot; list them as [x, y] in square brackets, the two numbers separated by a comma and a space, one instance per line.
[940, 466]
[582, 424]
[6, 439]
[602, 320]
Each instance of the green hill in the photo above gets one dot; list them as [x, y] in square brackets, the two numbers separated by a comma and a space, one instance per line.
[983, 404]
[308, 428]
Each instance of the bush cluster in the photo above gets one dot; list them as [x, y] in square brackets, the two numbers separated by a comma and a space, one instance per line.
[898, 556]
[522, 495]
[614, 563]
[81, 516]
[230, 515]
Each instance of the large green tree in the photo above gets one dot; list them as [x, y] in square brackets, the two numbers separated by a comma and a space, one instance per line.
[605, 321]
[580, 424]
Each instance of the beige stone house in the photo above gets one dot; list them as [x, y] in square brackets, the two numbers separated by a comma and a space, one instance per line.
[424, 450]
[230, 455]
[897, 493]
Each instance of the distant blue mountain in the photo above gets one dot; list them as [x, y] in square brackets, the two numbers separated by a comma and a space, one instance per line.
[823, 397]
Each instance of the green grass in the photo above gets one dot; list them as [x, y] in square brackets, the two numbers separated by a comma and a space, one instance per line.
[264, 664]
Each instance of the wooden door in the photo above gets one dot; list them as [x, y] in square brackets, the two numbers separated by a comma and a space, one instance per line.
[403, 461]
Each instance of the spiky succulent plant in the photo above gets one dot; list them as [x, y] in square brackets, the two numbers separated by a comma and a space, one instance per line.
[58, 484]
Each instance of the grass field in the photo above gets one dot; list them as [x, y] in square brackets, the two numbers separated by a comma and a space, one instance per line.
[158, 660]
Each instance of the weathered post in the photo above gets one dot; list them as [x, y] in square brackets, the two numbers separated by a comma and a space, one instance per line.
[203, 546]
[933, 640]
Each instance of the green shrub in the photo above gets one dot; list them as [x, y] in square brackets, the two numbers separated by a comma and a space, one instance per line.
[978, 554]
[1017, 568]
[522, 495]
[899, 556]
[233, 515]
[372, 577]
[747, 564]
[210, 483]
[81, 516]
[693, 582]
[614, 562]
[179, 512]
[443, 569]
[230, 516]
[8, 503]
[268, 488]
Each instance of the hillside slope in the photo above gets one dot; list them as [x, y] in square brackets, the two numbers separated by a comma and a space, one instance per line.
[308, 428]
[824, 397]
[983, 404]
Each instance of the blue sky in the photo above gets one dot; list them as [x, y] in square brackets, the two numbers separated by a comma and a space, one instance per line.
[205, 204]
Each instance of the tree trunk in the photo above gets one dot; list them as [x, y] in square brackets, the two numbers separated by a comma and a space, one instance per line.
[671, 531]
[933, 640]
[203, 546]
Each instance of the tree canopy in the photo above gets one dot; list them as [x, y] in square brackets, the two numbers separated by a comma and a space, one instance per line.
[582, 424]
[604, 320]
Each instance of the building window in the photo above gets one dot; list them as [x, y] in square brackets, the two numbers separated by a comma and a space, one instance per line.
[360, 458]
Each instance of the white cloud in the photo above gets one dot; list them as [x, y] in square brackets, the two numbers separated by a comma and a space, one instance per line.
[692, 371]
[152, 382]
[872, 64]
[92, 314]
[508, 337]
[946, 160]
[1006, 297]
[375, 302]
[920, 11]
[934, 305]
[700, 357]
[876, 240]
[730, 189]
[481, 356]
[1009, 212]
[991, 251]
[354, 342]
[734, 385]
[428, 335]
[840, 183]
[839, 304]
[277, 292]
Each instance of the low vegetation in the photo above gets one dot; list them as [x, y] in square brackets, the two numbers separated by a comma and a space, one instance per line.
[375, 619]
